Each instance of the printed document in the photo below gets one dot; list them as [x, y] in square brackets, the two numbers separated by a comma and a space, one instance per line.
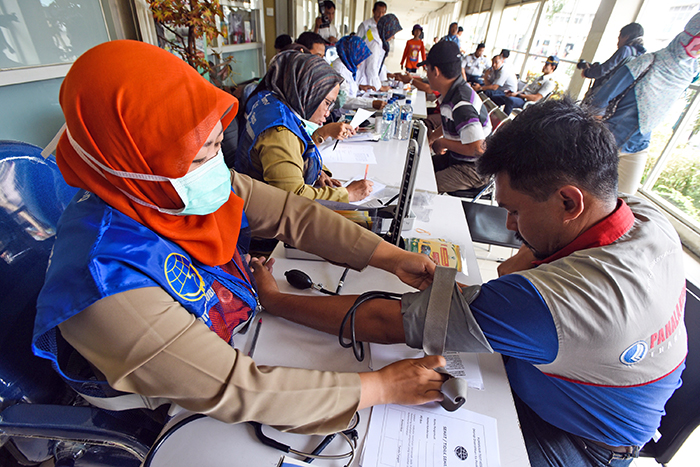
[349, 154]
[429, 436]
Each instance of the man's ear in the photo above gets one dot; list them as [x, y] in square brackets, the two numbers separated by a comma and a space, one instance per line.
[572, 201]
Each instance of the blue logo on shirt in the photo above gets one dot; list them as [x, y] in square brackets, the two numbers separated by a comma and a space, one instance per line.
[634, 353]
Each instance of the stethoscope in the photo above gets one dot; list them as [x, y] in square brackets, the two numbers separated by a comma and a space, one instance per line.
[350, 435]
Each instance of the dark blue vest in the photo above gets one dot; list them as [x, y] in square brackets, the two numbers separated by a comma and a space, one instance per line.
[264, 111]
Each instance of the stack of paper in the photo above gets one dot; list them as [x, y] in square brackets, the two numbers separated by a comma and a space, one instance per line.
[429, 436]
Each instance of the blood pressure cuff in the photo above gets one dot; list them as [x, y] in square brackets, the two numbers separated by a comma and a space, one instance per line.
[463, 332]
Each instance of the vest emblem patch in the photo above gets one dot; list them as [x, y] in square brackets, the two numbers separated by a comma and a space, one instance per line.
[634, 353]
[183, 278]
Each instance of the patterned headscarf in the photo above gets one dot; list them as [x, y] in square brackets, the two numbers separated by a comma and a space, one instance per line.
[300, 80]
[387, 26]
[670, 74]
[136, 108]
[352, 51]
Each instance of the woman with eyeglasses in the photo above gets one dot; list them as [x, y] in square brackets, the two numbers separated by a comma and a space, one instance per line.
[285, 122]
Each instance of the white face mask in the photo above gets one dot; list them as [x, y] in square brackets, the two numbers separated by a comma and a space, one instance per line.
[202, 191]
[310, 127]
[206, 188]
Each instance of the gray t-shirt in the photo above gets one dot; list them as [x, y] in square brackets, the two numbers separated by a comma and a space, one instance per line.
[505, 79]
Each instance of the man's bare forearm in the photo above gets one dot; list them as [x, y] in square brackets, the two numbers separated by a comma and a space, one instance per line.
[377, 320]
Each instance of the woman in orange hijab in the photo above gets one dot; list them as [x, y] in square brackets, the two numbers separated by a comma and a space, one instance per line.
[147, 262]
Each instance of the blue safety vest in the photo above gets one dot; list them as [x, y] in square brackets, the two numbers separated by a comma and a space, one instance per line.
[264, 111]
[100, 251]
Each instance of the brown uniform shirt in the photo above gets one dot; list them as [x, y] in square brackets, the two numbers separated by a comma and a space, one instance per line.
[145, 342]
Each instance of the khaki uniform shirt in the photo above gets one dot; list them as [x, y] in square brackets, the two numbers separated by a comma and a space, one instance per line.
[145, 342]
[277, 155]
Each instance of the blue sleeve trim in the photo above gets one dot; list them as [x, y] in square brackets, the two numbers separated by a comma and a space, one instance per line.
[516, 320]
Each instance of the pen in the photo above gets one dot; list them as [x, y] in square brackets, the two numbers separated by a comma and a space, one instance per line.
[366, 169]
[255, 338]
[336, 144]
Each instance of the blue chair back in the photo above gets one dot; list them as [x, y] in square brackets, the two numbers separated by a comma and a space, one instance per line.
[33, 195]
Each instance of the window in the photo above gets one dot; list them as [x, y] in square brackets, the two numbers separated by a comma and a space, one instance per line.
[673, 169]
[672, 175]
[48, 32]
[474, 30]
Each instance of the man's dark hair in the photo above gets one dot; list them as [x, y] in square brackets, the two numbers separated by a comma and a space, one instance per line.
[460, 29]
[308, 39]
[282, 41]
[632, 31]
[378, 5]
[328, 4]
[481, 46]
[552, 144]
[450, 70]
[505, 53]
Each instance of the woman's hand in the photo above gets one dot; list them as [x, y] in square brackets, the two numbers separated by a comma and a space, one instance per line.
[366, 87]
[359, 189]
[414, 269]
[325, 180]
[406, 382]
[336, 130]
[266, 284]
[377, 104]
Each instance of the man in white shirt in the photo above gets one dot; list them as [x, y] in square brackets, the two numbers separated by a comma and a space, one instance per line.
[498, 79]
[327, 30]
[378, 11]
[475, 64]
[533, 92]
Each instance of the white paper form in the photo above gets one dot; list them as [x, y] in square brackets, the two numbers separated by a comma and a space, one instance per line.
[459, 364]
[349, 154]
[429, 436]
[360, 116]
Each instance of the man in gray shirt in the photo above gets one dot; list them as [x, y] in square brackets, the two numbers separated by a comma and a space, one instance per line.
[538, 89]
[498, 79]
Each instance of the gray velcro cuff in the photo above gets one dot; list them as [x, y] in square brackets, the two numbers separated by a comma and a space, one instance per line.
[463, 332]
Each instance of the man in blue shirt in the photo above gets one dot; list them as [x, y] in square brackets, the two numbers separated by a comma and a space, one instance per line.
[589, 312]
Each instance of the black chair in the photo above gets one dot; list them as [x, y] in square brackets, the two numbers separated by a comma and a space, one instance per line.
[41, 417]
[683, 408]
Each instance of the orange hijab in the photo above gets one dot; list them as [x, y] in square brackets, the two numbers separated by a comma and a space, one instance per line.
[139, 109]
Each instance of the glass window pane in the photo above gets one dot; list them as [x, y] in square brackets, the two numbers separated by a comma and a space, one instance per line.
[517, 24]
[474, 30]
[664, 19]
[48, 32]
[564, 27]
[679, 181]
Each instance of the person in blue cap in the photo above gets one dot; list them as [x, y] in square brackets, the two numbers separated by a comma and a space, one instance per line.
[538, 89]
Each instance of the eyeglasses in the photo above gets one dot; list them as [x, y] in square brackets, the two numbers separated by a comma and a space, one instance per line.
[329, 104]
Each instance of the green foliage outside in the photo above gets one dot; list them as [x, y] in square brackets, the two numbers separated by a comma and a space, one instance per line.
[679, 182]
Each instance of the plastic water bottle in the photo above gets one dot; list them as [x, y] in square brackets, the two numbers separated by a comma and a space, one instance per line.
[405, 120]
[388, 127]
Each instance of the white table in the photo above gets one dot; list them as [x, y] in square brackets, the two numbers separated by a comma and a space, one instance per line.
[212, 443]
[391, 157]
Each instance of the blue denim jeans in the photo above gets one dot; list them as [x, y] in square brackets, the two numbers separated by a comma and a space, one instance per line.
[548, 446]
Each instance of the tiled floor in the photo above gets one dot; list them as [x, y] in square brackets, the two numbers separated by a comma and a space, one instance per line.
[489, 261]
